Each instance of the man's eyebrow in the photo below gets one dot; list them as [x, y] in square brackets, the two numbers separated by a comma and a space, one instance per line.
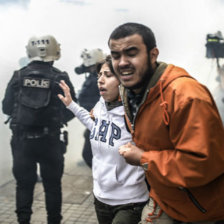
[124, 50]
[131, 49]
[114, 52]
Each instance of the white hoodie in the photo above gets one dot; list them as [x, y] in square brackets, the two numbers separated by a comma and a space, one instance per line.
[114, 181]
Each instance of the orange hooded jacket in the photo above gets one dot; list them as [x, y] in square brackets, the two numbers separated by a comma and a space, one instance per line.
[180, 130]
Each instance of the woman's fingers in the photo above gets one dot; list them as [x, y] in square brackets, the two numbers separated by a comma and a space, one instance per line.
[66, 99]
[64, 87]
[60, 97]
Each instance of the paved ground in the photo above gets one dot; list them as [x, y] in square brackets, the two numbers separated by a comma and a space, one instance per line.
[77, 199]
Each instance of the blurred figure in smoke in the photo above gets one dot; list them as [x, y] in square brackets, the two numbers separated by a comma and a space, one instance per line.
[218, 92]
[215, 51]
[89, 93]
[23, 61]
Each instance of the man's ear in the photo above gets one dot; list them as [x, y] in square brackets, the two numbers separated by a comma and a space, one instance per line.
[153, 54]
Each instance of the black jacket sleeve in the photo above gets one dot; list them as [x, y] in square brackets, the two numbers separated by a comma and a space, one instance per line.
[10, 94]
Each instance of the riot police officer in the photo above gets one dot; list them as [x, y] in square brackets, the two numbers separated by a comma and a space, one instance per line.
[89, 93]
[37, 116]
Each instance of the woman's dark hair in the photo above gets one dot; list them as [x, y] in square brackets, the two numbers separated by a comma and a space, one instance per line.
[129, 29]
[107, 61]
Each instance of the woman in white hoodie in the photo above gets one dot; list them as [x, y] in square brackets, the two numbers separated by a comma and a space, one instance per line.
[119, 189]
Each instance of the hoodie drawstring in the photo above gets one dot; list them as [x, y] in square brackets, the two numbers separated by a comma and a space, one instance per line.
[155, 214]
[164, 105]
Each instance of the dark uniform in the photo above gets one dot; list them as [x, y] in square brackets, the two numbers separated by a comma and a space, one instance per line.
[36, 118]
[88, 97]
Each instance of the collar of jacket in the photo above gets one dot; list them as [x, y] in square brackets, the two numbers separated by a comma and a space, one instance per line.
[39, 63]
[162, 77]
[156, 76]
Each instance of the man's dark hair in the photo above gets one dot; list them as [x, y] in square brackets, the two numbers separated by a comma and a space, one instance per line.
[128, 29]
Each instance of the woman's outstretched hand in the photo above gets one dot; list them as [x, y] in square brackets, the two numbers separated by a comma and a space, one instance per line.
[66, 99]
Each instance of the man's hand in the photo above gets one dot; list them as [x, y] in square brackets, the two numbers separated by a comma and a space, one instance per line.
[131, 153]
[66, 99]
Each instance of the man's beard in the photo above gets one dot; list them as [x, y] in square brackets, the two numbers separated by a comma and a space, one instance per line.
[145, 80]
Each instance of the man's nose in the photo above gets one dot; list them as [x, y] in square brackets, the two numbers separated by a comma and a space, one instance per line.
[123, 61]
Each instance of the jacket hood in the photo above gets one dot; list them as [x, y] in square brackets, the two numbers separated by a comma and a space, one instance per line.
[168, 75]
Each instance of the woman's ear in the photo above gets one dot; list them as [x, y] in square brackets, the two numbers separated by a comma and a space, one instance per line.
[153, 54]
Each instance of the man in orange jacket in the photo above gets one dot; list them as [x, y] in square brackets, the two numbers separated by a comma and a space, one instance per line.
[177, 130]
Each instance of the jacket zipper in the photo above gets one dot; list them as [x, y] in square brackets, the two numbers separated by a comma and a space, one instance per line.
[193, 199]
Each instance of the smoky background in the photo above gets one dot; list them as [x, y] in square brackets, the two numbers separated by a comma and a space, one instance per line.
[180, 27]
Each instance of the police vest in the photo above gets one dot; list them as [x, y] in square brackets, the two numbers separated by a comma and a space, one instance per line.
[37, 101]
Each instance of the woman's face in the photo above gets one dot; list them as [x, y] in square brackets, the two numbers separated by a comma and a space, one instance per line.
[108, 84]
